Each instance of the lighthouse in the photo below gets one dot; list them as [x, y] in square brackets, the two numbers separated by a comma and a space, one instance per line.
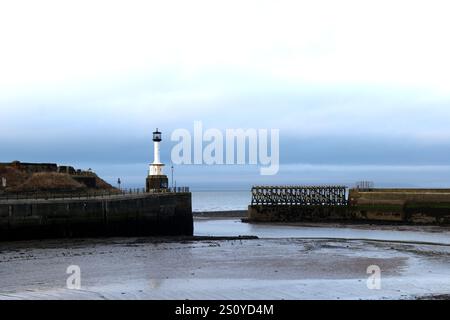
[156, 179]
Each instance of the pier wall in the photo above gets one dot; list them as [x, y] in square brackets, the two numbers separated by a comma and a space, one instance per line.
[424, 206]
[296, 213]
[433, 214]
[121, 215]
[413, 206]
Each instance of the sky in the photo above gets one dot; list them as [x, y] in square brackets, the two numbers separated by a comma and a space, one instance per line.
[360, 90]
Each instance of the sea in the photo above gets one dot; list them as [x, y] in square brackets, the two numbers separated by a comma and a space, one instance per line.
[212, 201]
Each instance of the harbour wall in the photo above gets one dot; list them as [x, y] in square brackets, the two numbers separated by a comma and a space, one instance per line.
[418, 206]
[149, 214]
[410, 214]
[410, 206]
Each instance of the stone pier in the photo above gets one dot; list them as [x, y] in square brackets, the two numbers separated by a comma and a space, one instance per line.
[148, 214]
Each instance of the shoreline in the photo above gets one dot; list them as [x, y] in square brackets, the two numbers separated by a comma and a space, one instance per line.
[221, 214]
[364, 224]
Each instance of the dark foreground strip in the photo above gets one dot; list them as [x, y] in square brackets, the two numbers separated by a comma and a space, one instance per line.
[220, 309]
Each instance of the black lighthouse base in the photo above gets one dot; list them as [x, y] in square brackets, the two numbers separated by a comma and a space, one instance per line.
[156, 183]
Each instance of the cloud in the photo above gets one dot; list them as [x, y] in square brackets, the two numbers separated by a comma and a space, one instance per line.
[320, 42]
[347, 83]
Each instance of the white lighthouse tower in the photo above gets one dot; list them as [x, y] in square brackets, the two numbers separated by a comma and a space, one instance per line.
[156, 168]
[156, 179]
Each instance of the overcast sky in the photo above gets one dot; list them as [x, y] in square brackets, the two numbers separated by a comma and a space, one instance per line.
[358, 89]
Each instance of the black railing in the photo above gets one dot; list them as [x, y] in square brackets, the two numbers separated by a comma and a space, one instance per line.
[86, 195]
[365, 185]
[179, 189]
[299, 195]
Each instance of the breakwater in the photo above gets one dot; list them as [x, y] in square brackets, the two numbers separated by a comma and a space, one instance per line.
[334, 203]
[148, 214]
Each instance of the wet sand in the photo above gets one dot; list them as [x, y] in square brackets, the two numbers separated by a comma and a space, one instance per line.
[281, 267]
[394, 233]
